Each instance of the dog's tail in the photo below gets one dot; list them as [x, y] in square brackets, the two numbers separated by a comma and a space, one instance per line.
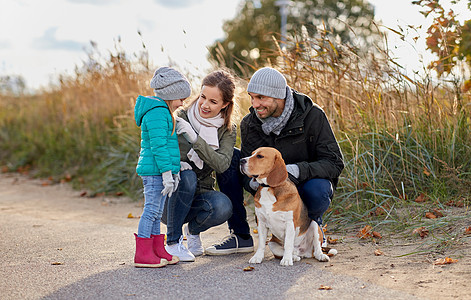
[329, 251]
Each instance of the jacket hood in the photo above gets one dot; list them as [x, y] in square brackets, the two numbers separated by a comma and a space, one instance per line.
[144, 104]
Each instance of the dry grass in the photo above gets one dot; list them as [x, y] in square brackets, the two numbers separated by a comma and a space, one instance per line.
[401, 137]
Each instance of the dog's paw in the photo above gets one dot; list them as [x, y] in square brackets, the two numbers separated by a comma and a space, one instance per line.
[296, 258]
[286, 261]
[322, 257]
[256, 259]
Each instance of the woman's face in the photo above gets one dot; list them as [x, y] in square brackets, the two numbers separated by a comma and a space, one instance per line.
[210, 102]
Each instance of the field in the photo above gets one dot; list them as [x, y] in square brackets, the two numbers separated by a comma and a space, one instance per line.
[405, 140]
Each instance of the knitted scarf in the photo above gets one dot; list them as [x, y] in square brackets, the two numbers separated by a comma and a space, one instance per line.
[206, 128]
[276, 124]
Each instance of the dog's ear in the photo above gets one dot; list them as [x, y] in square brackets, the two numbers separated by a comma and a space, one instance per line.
[278, 174]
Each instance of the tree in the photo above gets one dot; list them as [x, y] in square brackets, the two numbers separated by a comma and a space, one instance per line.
[249, 36]
[447, 38]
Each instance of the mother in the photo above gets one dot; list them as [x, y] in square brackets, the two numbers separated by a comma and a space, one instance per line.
[206, 137]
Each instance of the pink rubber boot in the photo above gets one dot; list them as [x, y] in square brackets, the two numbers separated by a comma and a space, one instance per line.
[145, 257]
[159, 250]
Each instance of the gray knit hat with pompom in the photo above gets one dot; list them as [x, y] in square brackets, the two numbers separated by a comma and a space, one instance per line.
[169, 84]
[268, 82]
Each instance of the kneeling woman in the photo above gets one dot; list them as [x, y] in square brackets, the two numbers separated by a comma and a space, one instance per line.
[206, 138]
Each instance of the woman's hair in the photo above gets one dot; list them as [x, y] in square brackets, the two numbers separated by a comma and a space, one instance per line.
[225, 82]
[171, 113]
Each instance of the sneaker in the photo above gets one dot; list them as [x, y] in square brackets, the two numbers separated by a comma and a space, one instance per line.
[231, 244]
[194, 242]
[180, 251]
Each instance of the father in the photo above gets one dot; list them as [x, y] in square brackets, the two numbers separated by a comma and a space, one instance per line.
[287, 120]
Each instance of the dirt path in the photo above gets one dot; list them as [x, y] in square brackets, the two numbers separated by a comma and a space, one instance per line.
[56, 244]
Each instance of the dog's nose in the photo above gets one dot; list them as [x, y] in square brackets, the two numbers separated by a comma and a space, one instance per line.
[243, 161]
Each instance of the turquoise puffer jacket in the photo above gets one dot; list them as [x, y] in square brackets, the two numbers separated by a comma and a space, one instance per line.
[159, 148]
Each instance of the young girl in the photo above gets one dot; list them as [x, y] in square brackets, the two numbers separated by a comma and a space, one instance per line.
[206, 138]
[159, 161]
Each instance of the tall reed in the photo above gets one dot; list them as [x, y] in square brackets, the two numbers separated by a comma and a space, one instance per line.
[401, 137]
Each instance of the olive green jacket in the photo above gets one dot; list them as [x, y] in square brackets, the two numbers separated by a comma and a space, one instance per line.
[214, 160]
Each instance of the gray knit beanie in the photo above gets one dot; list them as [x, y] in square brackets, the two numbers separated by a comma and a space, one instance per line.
[169, 84]
[268, 82]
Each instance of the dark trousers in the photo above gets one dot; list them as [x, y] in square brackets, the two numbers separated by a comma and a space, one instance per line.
[230, 184]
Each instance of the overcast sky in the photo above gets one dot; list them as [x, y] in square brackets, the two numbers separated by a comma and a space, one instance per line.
[41, 39]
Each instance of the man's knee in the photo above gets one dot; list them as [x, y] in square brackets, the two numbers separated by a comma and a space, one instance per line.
[316, 194]
[222, 208]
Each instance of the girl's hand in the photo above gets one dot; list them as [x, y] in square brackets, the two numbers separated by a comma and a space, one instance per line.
[184, 128]
[168, 182]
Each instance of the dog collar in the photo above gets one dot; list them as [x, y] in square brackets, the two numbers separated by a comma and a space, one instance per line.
[264, 185]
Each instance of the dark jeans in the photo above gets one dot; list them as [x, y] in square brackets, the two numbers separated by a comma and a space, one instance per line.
[230, 183]
[201, 211]
[316, 194]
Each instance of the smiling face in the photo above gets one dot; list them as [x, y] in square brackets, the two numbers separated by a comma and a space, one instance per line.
[267, 106]
[210, 102]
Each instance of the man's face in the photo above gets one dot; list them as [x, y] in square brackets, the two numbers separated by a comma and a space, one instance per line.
[267, 106]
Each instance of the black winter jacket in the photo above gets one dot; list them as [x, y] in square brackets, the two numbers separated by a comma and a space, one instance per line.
[307, 140]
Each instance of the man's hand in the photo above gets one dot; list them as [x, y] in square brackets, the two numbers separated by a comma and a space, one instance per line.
[293, 169]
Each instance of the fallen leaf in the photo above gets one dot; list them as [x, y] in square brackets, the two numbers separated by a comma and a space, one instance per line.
[377, 235]
[332, 241]
[437, 212]
[83, 194]
[467, 230]
[430, 215]
[444, 261]
[325, 287]
[67, 177]
[130, 216]
[248, 269]
[364, 232]
[421, 198]
[45, 183]
[56, 263]
[378, 252]
[119, 194]
[255, 231]
[421, 231]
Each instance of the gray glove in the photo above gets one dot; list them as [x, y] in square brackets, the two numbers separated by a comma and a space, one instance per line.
[176, 178]
[293, 169]
[168, 182]
[254, 184]
[184, 128]
[185, 166]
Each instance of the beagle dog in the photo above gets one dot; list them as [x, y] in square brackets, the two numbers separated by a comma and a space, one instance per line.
[279, 208]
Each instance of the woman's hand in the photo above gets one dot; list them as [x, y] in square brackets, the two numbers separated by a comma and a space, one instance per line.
[184, 128]
[185, 166]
